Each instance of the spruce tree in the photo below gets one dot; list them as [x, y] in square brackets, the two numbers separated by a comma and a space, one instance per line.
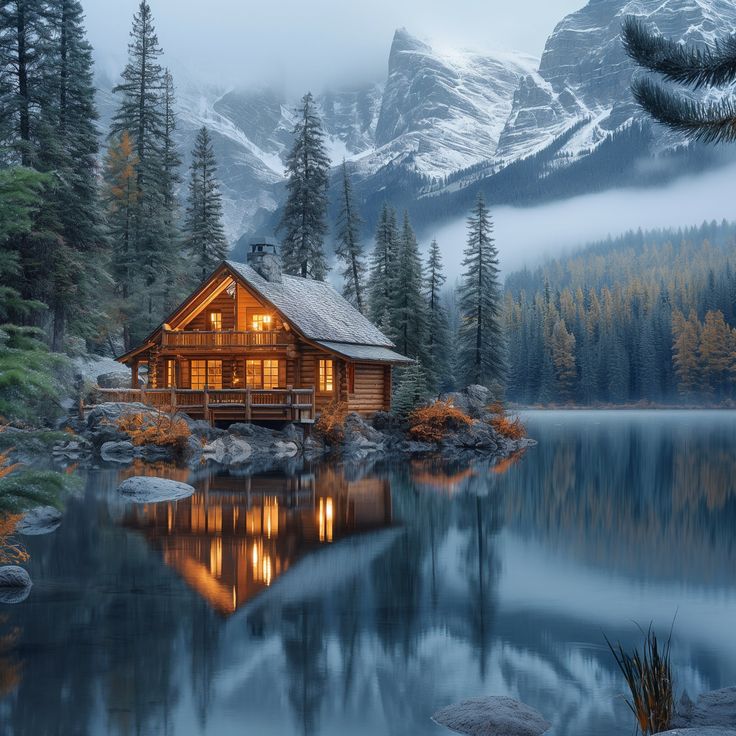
[304, 217]
[686, 342]
[563, 359]
[349, 248]
[409, 312]
[382, 277]
[410, 390]
[438, 346]
[481, 338]
[713, 68]
[205, 235]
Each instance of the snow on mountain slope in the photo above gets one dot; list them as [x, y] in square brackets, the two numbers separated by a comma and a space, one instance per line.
[584, 73]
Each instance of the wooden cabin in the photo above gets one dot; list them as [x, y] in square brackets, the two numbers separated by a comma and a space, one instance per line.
[255, 344]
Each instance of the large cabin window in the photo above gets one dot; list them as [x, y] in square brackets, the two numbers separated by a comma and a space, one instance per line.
[170, 373]
[206, 374]
[326, 375]
[262, 374]
[215, 321]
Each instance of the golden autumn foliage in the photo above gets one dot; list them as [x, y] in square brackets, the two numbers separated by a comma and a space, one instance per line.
[162, 430]
[11, 552]
[510, 427]
[331, 423]
[431, 423]
[10, 667]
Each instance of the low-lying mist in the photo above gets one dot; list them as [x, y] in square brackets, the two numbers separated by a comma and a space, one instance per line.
[525, 236]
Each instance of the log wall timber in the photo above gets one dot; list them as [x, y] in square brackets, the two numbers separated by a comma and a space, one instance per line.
[369, 395]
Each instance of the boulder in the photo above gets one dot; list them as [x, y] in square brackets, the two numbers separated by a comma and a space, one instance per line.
[285, 449]
[700, 731]
[714, 708]
[142, 489]
[72, 449]
[472, 400]
[115, 379]
[228, 450]
[492, 716]
[478, 436]
[120, 451]
[41, 520]
[15, 584]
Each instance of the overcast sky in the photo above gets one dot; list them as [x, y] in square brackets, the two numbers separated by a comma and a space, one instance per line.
[309, 44]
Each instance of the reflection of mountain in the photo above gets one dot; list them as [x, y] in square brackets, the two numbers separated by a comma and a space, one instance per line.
[237, 535]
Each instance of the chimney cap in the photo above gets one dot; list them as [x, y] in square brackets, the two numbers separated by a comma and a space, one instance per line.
[263, 243]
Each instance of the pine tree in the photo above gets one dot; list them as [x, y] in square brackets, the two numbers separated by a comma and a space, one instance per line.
[408, 313]
[686, 341]
[482, 350]
[121, 196]
[349, 248]
[711, 121]
[438, 346]
[563, 359]
[383, 268]
[304, 218]
[205, 235]
[69, 148]
[410, 391]
[715, 351]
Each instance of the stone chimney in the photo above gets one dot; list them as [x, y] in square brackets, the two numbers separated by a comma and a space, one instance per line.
[264, 258]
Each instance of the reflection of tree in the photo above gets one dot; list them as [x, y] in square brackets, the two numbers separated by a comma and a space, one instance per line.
[10, 665]
[203, 636]
[303, 642]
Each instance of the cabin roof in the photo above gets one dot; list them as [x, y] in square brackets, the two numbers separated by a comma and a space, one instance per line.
[315, 309]
[370, 353]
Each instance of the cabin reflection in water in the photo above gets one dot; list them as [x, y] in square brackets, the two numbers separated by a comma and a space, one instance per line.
[236, 535]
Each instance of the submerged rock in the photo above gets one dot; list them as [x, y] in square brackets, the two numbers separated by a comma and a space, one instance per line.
[492, 716]
[41, 520]
[714, 708]
[142, 489]
[15, 584]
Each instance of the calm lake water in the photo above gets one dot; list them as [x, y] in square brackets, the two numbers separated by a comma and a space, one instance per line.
[358, 600]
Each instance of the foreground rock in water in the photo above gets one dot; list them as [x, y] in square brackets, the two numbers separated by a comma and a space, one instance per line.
[714, 708]
[142, 489]
[701, 731]
[41, 520]
[492, 716]
[15, 584]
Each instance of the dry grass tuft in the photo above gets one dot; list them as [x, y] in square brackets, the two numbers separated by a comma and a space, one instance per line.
[164, 429]
[507, 426]
[649, 677]
[432, 423]
[331, 423]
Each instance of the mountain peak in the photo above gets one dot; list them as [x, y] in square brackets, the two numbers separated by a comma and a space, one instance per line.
[404, 41]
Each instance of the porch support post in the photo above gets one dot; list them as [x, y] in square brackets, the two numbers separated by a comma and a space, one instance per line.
[134, 374]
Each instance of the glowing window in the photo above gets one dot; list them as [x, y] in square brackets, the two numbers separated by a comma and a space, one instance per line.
[215, 321]
[260, 322]
[170, 373]
[326, 375]
[199, 374]
[262, 373]
[214, 374]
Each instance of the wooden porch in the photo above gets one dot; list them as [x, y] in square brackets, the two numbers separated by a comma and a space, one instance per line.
[209, 339]
[233, 405]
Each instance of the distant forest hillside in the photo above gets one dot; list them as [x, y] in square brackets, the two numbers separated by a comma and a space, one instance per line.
[648, 316]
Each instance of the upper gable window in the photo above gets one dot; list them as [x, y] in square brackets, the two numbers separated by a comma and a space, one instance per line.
[214, 321]
[261, 322]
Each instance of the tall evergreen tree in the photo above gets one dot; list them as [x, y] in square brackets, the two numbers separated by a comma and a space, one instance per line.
[438, 346]
[686, 336]
[563, 359]
[409, 312]
[481, 338]
[304, 217]
[711, 68]
[69, 150]
[349, 248]
[382, 275]
[205, 235]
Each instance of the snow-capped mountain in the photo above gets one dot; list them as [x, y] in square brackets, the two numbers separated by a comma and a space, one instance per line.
[584, 74]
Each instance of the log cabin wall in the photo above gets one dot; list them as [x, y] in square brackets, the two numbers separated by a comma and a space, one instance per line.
[223, 303]
[369, 389]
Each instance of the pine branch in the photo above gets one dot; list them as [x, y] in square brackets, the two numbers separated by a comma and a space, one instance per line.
[680, 62]
[713, 122]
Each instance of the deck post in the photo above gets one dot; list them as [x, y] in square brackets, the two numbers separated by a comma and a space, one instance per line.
[247, 403]
[291, 411]
[172, 400]
[314, 405]
[134, 374]
[206, 405]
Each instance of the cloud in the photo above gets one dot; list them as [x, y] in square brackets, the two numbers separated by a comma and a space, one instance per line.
[527, 235]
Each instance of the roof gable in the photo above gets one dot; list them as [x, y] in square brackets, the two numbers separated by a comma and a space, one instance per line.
[314, 308]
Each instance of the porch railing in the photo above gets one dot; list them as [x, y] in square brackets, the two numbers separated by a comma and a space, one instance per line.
[223, 338]
[292, 404]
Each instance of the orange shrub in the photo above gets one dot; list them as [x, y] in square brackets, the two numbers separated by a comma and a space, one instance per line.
[161, 430]
[431, 423]
[331, 423]
[11, 552]
[512, 428]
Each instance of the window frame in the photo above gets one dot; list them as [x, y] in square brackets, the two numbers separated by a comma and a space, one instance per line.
[211, 314]
[268, 373]
[326, 375]
[204, 377]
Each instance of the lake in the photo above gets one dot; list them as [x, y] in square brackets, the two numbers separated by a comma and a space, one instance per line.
[359, 599]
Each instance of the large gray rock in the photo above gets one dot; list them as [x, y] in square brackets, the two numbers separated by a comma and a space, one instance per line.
[228, 450]
[714, 708]
[41, 520]
[473, 400]
[15, 584]
[700, 731]
[492, 716]
[121, 451]
[115, 379]
[142, 489]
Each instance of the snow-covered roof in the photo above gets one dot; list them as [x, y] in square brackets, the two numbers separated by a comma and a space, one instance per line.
[364, 352]
[315, 309]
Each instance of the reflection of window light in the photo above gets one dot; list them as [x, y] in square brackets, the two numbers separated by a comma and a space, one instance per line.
[255, 556]
[324, 519]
